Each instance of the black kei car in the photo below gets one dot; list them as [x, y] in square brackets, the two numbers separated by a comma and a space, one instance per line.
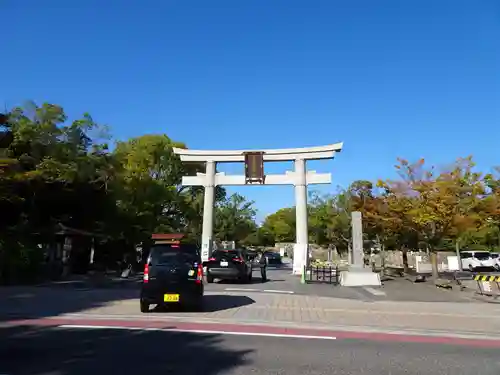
[229, 265]
[173, 274]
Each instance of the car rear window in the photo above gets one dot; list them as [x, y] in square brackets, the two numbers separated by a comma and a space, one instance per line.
[218, 254]
[168, 254]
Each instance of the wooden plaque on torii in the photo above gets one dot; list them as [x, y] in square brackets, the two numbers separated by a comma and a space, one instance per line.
[254, 167]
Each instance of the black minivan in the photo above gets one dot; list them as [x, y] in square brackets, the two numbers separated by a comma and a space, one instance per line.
[173, 274]
[229, 264]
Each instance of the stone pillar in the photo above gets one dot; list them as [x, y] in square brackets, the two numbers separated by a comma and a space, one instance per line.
[301, 248]
[208, 211]
[357, 240]
[357, 275]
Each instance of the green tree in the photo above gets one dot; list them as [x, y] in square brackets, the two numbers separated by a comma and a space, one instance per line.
[60, 175]
[320, 215]
[234, 219]
[261, 237]
[339, 229]
[281, 225]
[148, 185]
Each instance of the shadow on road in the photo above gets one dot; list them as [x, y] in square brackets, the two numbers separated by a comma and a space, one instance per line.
[224, 302]
[98, 296]
[255, 280]
[28, 350]
[35, 303]
[212, 303]
[40, 302]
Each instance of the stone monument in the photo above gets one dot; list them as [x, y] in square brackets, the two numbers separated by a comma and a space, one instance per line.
[357, 274]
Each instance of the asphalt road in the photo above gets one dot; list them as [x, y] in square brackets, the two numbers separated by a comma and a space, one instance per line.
[59, 351]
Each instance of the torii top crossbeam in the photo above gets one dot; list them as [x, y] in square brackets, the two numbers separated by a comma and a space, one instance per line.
[283, 154]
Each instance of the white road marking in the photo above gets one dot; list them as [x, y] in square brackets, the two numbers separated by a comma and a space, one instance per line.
[241, 290]
[375, 292]
[259, 290]
[278, 291]
[202, 331]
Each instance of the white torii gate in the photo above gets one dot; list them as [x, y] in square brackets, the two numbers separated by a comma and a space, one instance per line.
[300, 178]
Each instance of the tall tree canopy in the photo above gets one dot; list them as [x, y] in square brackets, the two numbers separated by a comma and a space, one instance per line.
[61, 173]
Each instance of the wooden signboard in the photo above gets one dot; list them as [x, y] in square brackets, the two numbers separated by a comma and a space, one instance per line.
[254, 167]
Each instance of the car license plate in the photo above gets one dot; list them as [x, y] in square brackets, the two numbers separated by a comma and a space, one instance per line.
[171, 298]
[224, 264]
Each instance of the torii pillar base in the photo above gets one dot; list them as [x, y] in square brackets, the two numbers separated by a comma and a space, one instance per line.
[300, 253]
[359, 276]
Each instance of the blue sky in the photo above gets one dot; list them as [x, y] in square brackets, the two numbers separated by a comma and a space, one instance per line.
[389, 78]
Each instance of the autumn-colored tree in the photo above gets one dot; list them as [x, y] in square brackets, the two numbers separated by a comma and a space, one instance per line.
[466, 191]
[392, 216]
[432, 208]
[364, 200]
[442, 205]
[491, 209]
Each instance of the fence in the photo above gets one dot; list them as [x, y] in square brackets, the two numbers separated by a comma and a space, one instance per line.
[321, 275]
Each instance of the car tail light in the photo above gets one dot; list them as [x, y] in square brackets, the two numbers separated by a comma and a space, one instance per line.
[199, 275]
[239, 260]
[211, 259]
[145, 278]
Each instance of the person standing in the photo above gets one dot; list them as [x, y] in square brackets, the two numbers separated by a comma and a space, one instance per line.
[263, 266]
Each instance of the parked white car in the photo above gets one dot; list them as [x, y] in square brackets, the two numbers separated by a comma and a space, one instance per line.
[496, 258]
[476, 259]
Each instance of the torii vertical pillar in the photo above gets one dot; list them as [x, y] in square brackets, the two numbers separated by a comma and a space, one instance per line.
[208, 211]
[301, 247]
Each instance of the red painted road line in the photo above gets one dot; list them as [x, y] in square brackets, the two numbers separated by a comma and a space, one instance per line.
[256, 329]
